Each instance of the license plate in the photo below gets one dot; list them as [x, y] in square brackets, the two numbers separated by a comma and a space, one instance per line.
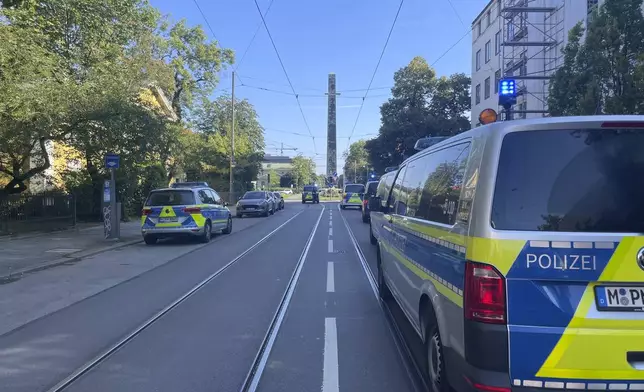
[620, 298]
[167, 220]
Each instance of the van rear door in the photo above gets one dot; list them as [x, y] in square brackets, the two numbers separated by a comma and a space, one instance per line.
[575, 291]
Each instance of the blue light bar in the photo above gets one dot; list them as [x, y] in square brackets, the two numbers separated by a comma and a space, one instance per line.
[507, 87]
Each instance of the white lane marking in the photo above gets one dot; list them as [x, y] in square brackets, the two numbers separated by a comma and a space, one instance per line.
[330, 231]
[330, 246]
[330, 379]
[99, 358]
[281, 312]
[330, 223]
[330, 278]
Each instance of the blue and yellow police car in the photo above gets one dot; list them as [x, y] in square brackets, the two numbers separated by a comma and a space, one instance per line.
[185, 209]
[516, 251]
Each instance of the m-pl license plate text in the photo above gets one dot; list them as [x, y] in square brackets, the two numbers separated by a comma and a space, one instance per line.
[620, 298]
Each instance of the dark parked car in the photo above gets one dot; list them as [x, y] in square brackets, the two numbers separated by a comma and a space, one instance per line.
[310, 193]
[279, 198]
[370, 191]
[256, 203]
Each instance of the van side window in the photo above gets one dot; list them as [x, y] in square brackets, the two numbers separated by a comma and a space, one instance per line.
[435, 181]
[398, 194]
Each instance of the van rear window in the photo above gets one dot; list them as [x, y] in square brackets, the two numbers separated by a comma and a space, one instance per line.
[354, 188]
[576, 181]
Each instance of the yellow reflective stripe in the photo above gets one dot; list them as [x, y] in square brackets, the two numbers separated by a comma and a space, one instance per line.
[413, 267]
[594, 344]
[499, 253]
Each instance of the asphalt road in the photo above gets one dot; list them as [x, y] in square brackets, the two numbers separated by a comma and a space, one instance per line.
[287, 300]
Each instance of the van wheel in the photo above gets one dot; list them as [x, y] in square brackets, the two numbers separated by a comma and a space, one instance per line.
[372, 238]
[383, 291]
[435, 360]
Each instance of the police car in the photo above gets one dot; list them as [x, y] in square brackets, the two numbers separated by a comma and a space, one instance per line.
[186, 209]
[516, 251]
[352, 196]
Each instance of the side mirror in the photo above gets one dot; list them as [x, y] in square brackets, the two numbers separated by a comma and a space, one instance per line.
[226, 204]
[374, 203]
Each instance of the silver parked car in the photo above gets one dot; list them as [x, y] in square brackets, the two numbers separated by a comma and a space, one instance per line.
[256, 203]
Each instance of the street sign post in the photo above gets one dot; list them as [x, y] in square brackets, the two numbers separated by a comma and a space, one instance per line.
[110, 214]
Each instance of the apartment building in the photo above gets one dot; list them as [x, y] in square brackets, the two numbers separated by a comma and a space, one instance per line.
[522, 40]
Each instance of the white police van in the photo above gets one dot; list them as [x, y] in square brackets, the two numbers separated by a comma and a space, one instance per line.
[516, 251]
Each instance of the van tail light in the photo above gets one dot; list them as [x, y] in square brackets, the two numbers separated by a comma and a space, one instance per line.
[484, 294]
[486, 388]
[192, 210]
[146, 211]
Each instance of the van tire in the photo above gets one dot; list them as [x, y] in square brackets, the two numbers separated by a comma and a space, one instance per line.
[150, 239]
[383, 291]
[372, 239]
[434, 357]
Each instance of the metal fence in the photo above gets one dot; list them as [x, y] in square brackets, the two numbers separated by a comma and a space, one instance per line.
[23, 213]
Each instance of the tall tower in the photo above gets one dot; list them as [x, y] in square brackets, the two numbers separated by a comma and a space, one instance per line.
[331, 143]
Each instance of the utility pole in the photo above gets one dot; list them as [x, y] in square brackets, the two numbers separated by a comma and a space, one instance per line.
[231, 190]
[355, 172]
[287, 148]
[331, 143]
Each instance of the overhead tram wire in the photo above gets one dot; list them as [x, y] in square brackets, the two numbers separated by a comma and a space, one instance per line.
[299, 105]
[259, 26]
[382, 53]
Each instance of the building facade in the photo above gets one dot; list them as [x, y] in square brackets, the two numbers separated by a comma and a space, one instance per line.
[522, 40]
[280, 165]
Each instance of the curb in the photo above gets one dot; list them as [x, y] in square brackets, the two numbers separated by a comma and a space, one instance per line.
[63, 260]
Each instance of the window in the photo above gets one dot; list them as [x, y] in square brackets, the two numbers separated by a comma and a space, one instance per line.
[371, 188]
[498, 9]
[254, 195]
[478, 29]
[384, 187]
[486, 88]
[497, 42]
[488, 18]
[354, 188]
[497, 80]
[584, 184]
[398, 198]
[170, 198]
[510, 30]
[206, 197]
[478, 94]
[488, 51]
[434, 184]
[215, 196]
[478, 59]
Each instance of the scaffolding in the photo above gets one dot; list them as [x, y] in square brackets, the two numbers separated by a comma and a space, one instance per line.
[533, 35]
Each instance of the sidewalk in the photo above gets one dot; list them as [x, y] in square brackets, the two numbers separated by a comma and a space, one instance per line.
[19, 255]
[29, 253]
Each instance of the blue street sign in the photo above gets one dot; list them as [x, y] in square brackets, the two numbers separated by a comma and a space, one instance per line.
[335, 174]
[112, 161]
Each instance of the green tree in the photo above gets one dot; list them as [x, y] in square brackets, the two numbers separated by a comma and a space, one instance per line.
[356, 162]
[275, 179]
[205, 152]
[603, 74]
[303, 171]
[31, 106]
[421, 105]
[195, 62]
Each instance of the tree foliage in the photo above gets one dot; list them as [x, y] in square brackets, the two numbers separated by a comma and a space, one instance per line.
[421, 105]
[356, 162]
[603, 73]
[90, 76]
[303, 171]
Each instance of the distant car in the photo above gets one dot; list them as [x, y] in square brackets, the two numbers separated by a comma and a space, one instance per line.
[310, 193]
[370, 191]
[287, 192]
[280, 200]
[256, 203]
[186, 209]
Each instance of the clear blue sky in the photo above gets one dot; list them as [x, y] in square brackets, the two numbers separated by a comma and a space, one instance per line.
[315, 38]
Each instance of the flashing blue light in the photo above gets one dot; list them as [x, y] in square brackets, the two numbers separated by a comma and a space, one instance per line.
[507, 87]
